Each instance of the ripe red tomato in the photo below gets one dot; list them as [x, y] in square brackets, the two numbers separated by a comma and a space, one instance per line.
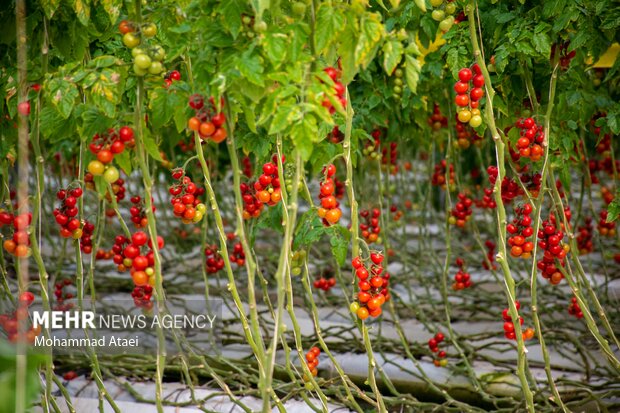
[125, 27]
[219, 119]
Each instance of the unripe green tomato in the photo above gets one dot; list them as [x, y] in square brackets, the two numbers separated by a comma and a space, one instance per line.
[299, 8]
[308, 385]
[156, 68]
[398, 81]
[131, 40]
[398, 73]
[260, 26]
[157, 53]
[142, 61]
[149, 30]
[127, 262]
[446, 24]
[450, 8]
[475, 121]
[397, 90]
[149, 271]
[436, 3]
[438, 15]
[296, 271]
[443, 363]
[137, 51]
[379, 240]
[491, 67]
[202, 208]
[596, 81]
[198, 216]
[139, 71]
[354, 307]
[302, 254]
[111, 174]
[251, 35]
[246, 19]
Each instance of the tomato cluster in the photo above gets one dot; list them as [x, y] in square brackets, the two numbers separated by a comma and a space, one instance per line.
[520, 230]
[339, 90]
[439, 175]
[574, 309]
[19, 244]
[267, 186]
[389, 158]
[252, 207]
[129, 254]
[550, 241]
[531, 138]
[531, 182]
[171, 77]
[141, 295]
[461, 213]
[509, 327]
[510, 189]
[443, 13]
[437, 121]
[606, 229]
[466, 135]
[370, 226]
[396, 213]
[237, 255]
[62, 296]
[565, 56]
[105, 146]
[584, 237]
[433, 345]
[214, 261]
[185, 202]
[208, 120]
[297, 260]
[397, 88]
[247, 166]
[335, 136]
[10, 322]
[490, 246]
[147, 59]
[468, 98]
[138, 214]
[373, 287]
[462, 279]
[372, 147]
[312, 360]
[487, 200]
[325, 281]
[329, 211]
[66, 215]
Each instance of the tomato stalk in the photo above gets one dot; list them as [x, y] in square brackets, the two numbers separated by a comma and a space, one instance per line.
[502, 255]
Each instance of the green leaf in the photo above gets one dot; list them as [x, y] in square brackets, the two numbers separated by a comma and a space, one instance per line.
[541, 43]
[164, 105]
[62, 94]
[305, 134]
[50, 7]
[250, 66]
[275, 45]
[346, 51]
[392, 55]
[231, 11]
[285, 116]
[613, 210]
[93, 121]
[371, 33]
[123, 160]
[113, 8]
[329, 23]
[82, 10]
[150, 145]
[412, 72]
[309, 230]
[339, 242]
